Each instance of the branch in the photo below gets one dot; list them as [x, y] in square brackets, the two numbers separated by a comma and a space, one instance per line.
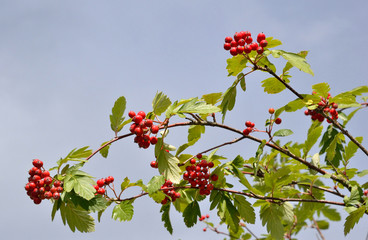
[335, 123]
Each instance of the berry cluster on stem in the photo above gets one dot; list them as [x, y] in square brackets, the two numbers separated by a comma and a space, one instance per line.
[250, 127]
[171, 195]
[101, 183]
[41, 185]
[323, 106]
[242, 43]
[198, 175]
[142, 128]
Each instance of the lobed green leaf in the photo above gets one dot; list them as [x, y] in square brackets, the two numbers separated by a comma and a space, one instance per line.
[116, 118]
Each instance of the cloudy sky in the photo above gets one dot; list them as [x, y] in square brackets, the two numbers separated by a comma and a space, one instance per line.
[64, 63]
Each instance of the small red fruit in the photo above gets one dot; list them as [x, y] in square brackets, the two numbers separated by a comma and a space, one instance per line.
[233, 44]
[131, 114]
[254, 46]
[261, 37]
[141, 113]
[37, 163]
[234, 51]
[240, 49]
[248, 123]
[263, 43]
[57, 183]
[192, 161]
[227, 46]
[278, 120]
[248, 39]
[154, 164]
[260, 50]
[271, 111]
[247, 49]
[199, 156]
[154, 129]
[214, 177]
[56, 195]
[228, 39]
[45, 174]
[137, 119]
[101, 191]
[101, 182]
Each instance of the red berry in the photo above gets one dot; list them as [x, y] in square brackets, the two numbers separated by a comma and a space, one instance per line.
[246, 132]
[247, 49]
[37, 200]
[37, 163]
[334, 105]
[271, 111]
[137, 119]
[234, 51]
[101, 191]
[109, 179]
[234, 44]
[48, 180]
[101, 182]
[59, 189]
[214, 177]
[57, 183]
[148, 123]
[248, 39]
[96, 187]
[204, 229]
[154, 164]
[38, 172]
[366, 192]
[131, 114]
[35, 178]
[199, 156]
[263, 43]
[45, 174]
[153, 140]
[53, 190]
[248, 123]
[48, 195]
[32, 171]
[237, 36]
[56, 195]
[246, 34]
[207, 216]
[154, 129]
[227, 46]
[254, 46]
[240, 49]
[210, 164]
[260, 50]
[261, 37]
[241, 42]
[192, 161]
[143, 114]
[138, 131]
[40, 183]
[228, 39]
[278, 120]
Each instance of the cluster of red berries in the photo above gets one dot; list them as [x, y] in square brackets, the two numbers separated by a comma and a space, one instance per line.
[171, 195]
[250, 125]
[39, 184]
[365, 192]
[198, 175]
[243, 43]
[325, 106]
[142, 128]
[203, 217]
[101, 183]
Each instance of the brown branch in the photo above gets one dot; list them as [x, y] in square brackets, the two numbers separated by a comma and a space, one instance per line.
[335, 123]
[315, 225]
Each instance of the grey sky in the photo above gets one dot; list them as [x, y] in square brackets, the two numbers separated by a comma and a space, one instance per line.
[64, 63]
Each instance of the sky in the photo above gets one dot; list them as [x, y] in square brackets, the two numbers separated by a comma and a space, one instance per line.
[64, 63]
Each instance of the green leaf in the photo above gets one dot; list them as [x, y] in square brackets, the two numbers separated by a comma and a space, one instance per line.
[271, 216]
[155, 183]
[116, 118]
[194, 133]
[245, 209]
[296, 60]
[283, 133]
[294, 105]
[123, 211]
[165, 209]
[228, 101]
[321, 89]
[273, 42]
[55, 208]
[273, 86]
[242, 82]
[351, 149]
[323, 224]
[191, 213]
[236, 64]
[77, 218]
[105, 151]
[81, 183]
[77, 155]
[195, 106]
[168, 166]
[331, 213]
[354, 198]
[229, 214]
[160, 103]
[212, 98]
[314, 133]
[353, 218]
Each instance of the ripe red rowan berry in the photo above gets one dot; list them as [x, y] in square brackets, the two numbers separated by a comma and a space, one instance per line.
[37, 163]
[261, 37]
[271, 111]
[228, 39]
[131, 114]
[101, 191]
[101, 182]
[141, 113]
[263, 43]
[278, 120]
[154, 129]
[234, 51]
